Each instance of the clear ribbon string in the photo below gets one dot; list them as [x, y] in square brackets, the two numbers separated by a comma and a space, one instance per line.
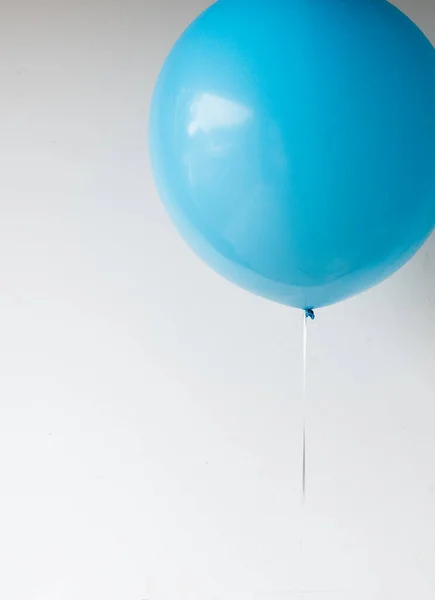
[308, 314]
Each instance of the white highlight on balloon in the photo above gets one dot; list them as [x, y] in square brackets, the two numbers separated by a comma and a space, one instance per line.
[212, 112]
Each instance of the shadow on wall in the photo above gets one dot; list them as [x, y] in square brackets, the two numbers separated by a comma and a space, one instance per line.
[413, 287]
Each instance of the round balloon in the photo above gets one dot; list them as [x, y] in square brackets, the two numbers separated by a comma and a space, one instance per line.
[293, 144]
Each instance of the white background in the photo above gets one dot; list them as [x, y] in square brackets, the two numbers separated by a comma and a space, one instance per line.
[151, 413]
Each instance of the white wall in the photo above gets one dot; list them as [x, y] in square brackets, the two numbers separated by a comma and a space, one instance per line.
[150, 413]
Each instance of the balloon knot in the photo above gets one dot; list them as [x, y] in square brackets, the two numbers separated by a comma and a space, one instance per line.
[309, 314]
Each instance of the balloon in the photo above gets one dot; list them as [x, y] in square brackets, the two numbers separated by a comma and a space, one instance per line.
[293, 144]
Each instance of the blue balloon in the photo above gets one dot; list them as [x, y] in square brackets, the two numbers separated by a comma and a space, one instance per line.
[293, 144]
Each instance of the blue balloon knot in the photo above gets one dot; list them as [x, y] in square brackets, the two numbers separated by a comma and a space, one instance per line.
[309, 314]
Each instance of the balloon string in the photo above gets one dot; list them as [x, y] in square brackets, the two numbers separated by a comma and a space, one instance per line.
[304, 399]
[308, 314]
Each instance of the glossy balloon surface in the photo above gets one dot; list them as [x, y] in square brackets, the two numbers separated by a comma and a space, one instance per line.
[293, 144]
